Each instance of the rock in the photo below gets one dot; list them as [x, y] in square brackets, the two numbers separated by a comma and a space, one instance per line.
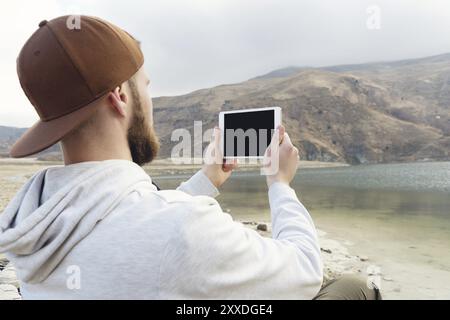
[8, 276]
[363, 258]
[261, 227]
[3, 262]
[9, 292]
[327, 277]
[326, 250]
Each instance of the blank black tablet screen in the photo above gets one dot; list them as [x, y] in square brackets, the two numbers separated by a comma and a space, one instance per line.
[248, 143]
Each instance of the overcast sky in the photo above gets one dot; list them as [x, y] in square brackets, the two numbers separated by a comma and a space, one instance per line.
[193, 44]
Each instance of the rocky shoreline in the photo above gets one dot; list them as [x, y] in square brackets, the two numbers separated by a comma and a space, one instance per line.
[336, 258]
[9, 285]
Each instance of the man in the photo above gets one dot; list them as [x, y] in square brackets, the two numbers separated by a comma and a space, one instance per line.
[98, 228]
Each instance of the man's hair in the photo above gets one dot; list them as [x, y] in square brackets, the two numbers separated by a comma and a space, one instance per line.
[133, 90]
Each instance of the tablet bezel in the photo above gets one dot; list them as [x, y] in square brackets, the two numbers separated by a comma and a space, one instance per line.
[277, 122]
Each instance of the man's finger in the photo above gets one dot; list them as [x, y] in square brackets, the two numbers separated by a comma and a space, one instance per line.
[216, 135]
[229, 165]
[287, 139]
[276, 139]
[281, 132]
[217, 151]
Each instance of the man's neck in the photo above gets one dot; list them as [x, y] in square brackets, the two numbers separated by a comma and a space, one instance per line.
[76, 154]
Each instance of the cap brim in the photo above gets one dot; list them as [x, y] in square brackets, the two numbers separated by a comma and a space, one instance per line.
[44, 134]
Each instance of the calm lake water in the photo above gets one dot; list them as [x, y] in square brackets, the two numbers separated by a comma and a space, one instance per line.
[397, 214]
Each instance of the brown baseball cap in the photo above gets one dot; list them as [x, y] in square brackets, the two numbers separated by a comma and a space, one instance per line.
[64, 67]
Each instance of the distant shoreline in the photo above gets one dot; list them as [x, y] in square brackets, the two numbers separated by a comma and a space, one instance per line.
[166, 167]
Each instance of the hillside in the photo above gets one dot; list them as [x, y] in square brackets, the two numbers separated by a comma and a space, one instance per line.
[377, 112]
[7, 137]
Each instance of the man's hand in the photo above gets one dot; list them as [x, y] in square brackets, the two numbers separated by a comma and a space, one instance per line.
[287, 161]
[215, 167]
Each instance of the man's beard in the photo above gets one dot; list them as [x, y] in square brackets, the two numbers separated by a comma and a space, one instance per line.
[142, 138]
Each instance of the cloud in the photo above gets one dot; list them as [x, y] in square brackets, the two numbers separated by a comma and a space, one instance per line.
[193, 44]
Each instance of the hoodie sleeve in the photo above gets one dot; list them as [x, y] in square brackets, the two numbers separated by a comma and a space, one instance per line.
[199, 185]
[214, 257]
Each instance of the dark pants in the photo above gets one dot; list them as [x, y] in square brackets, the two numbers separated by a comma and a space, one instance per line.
[348, 288]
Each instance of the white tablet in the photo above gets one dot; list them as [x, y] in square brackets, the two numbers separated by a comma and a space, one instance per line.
[247, 133]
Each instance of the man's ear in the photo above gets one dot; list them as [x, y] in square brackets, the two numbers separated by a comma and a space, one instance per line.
[118, 100]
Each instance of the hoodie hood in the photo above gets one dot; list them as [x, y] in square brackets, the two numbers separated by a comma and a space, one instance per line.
[58, 207]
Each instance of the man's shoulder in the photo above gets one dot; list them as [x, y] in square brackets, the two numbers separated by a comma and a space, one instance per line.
[177, 201]
[180, 211]
[178, 196]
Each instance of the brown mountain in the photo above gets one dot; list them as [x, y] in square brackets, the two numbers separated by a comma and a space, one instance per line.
[366, 113]
[377, 112]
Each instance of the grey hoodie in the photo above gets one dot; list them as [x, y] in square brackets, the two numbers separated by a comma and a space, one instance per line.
[100, 229]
